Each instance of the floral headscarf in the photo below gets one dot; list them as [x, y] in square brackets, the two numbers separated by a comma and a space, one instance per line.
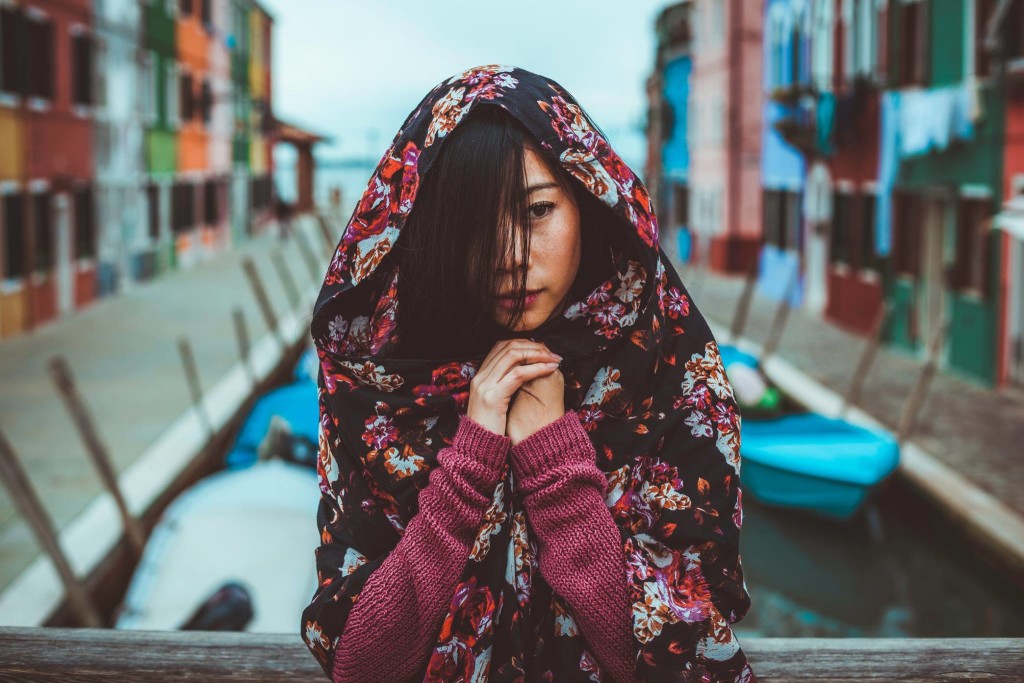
[642, 370]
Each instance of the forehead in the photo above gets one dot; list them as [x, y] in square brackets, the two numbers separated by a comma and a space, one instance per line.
[537, 170]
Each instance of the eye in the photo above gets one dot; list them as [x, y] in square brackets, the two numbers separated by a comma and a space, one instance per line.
[540, 209]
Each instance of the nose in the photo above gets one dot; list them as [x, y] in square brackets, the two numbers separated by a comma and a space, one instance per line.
[513, 256]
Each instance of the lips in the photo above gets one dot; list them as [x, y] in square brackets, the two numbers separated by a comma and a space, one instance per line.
[509, 301]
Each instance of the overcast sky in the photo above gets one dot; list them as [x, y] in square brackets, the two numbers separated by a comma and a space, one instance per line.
[354, 70]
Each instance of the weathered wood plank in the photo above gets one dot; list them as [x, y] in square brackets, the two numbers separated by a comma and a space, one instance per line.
[56, 654]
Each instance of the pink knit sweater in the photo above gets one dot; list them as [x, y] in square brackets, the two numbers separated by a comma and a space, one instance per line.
[390, 630]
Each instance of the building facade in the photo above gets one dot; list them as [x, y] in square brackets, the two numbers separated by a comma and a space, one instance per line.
[136, 138]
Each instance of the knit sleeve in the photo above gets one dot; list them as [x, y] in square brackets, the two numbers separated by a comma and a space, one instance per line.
[580, 548]
[390, 629]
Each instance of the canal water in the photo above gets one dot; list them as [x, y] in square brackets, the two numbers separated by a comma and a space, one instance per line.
[893, 572]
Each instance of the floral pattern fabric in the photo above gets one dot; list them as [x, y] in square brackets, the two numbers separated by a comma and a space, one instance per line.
[642, 370]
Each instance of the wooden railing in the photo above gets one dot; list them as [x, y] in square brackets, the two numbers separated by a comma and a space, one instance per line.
[58, 654]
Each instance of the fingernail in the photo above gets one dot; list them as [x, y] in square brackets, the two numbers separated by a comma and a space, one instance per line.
[556, 356]
[552, 365]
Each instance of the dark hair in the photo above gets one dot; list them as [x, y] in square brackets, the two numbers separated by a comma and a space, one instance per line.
[455, 234]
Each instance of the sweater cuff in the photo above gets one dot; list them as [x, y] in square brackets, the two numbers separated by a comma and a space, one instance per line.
[560, 442]
[486, 448]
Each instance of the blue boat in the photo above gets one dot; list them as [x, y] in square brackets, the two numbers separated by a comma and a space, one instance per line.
[811, 462]
[730, 354]
[307, 366]
[296, 405]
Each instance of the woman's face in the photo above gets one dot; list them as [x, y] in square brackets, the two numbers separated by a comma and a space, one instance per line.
[554, 258]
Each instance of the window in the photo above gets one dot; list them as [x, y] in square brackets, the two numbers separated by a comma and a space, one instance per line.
[12, 47]
[40, 64]
[777, 45]
[867, 258]
[153, 210]
[185, 97]
[145, 93]
[839, 244]
[680, 204]
[171, 86]
[185, 7]
[211, 210]
[42, 220]
[798, 58]
[821, 63]
[913, 62]
[205, 10]
[206, 101]
[81, 69]
[85, 225]
[973, 246]
[183, 216]
[14, 236]
[1013, 31]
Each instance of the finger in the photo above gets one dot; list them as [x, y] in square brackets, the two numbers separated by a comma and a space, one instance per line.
[521, 374]
[523, 351]
[488, 362]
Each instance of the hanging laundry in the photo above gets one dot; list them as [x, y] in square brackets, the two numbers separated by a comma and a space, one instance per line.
[888, 168]
[930, 119]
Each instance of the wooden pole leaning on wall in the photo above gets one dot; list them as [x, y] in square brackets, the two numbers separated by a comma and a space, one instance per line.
[315, 273]
[291, 289]
[188, 362]
[244, 347]
[21, 491]
[771, 342]
[867, 358]
[60, 371]
[912, 406]
[269, 317]
[739, 318]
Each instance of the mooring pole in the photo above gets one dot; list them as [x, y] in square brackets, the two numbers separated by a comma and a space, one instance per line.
[21, 491]
[86, 426]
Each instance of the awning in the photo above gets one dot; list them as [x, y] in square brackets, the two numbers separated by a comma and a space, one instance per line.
[1011, 218]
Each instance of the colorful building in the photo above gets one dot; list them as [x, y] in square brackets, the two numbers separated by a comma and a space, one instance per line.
[890, 136]
[724, 141]
[47, 228]
[135, 137]
[668, 153]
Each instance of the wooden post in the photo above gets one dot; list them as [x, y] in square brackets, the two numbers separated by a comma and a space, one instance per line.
[192, 377]
[244, 350]
[867, 358]
[290, 288]
[261, 298]
[61, 374]
[739, 319]
[21, 491]
[315, 275]
[325, 232]
[771, 342]
[912, 406]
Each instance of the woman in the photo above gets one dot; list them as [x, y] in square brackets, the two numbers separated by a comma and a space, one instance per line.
[529, 449]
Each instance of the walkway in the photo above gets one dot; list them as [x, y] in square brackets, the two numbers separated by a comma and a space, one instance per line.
[123, 353]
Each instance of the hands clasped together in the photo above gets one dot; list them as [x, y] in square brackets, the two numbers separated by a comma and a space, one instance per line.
[517, 390]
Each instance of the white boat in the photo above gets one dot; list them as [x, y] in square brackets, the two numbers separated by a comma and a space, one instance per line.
[253, 527]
